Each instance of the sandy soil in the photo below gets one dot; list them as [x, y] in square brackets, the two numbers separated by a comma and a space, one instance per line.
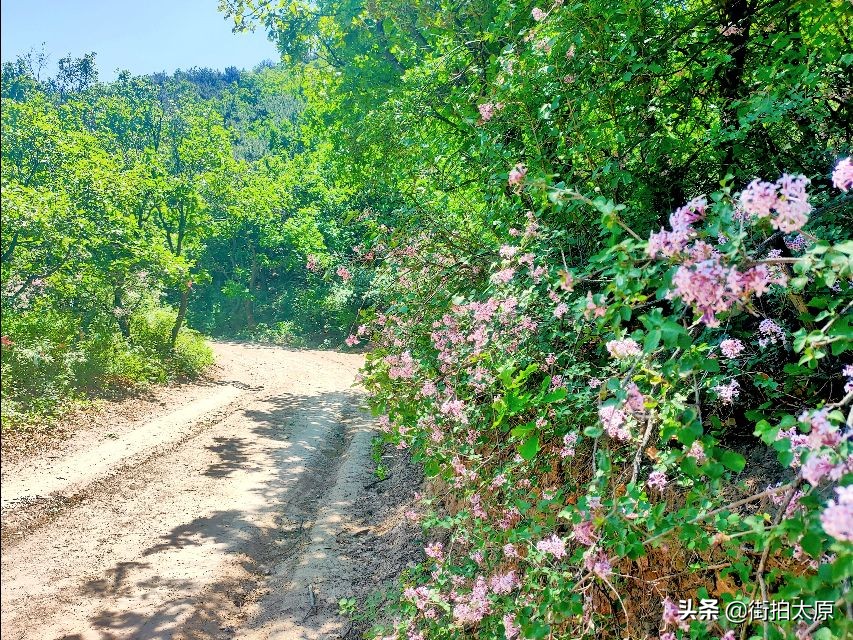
[243, 507]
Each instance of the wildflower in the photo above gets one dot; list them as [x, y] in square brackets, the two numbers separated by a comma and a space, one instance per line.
[344, 273]
[697, 452]
[507, 251]
[613, 419]
[477, 506]
[584, 532]
[598, 563]
[636, 400]
[560, 310]
[759, 198]
[594, 383]
[796, 242]
[516, 175]
[672, 616]
[837, 518]
[554, 545]
[728, 392]
[842, 176]
[503, 276]
[511, 630]
[502, 584]
[771, 333]
[538, 14]
[569, 441]
[435, 550]
[657, 480]
[429, 390]
[351, 340]
[488, 110]
[510, 551]
[731, 348]
[816, 468]
[625, 348]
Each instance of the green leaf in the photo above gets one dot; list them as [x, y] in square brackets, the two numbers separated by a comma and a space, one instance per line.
[529, 448]
[731, 459]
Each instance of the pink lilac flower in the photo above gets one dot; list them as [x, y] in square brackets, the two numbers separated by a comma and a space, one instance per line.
[538, 14]
[584, 532]
[667, 635]
[569, 441]
[554, 545]
[787, 197]
[837, 517]
[613, 420]
[847, 372]
[598, 563]
[712, 288]
[672, 616]
[816, 468]
[503, 276]
[429, 390]
[498, 481]
[351, 340]
[455, 409]
[624, 348]
[511, 630]
[488, 110]
[510, 551]
[823, 432]
[502, 583]
[771, 333]
[509, 518]
[697, 452]
[344, 273]
[796, 242]
[842, 176]
[792, 208]
[594, 383]
[636, 400]
[507, 251]
[731, 348]
[759, 198]
[728, 392]
[657, 480]
[516, 175]
[477, 506]
[311, 263]
[402, 366]
[728, 635]
[435, 550]
[477, 605]
[560, 310]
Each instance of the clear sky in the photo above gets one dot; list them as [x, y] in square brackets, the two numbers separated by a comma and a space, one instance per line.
[142, 36]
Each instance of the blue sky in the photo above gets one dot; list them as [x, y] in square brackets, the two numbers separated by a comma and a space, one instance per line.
[142, 36]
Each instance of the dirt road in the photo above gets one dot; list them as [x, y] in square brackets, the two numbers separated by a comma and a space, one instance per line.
[244, 507]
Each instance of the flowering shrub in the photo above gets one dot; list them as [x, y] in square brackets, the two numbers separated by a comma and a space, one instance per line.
[586, 427]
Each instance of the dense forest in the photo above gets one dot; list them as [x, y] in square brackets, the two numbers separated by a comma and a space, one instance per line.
[599, 254]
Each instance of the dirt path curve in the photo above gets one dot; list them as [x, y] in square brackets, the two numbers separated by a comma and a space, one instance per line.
[241, 508]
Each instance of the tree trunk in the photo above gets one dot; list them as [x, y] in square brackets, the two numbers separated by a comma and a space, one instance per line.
[179, 321]
[121, 317]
